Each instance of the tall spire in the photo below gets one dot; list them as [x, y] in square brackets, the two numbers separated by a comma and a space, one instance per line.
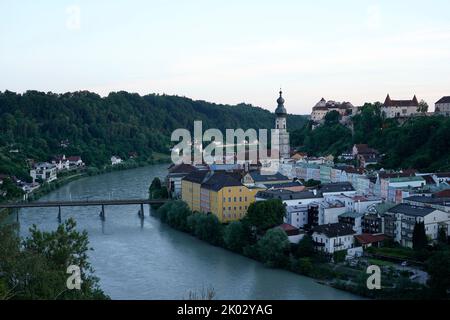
[280, 110]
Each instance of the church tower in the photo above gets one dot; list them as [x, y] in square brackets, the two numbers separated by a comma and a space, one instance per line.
[280, 124]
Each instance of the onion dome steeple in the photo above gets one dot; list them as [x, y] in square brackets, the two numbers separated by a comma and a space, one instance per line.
[280, 110]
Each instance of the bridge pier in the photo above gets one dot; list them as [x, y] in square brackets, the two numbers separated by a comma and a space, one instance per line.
[102, 213]
[59, 214]
[141, 211]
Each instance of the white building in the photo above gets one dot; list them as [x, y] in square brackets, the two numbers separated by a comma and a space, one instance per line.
[442, 107]
[399, 108]
[406, 216]
[289, 198]
[115, 160]
[320, 110]
[357, 203]
[44, 171]
[337, 188]
[174, 177]
[441, 177]
[334, 237]
[438, 203]
[330, 210]
[353, 219]
[61, 162]
[75, 161]
[297, 215]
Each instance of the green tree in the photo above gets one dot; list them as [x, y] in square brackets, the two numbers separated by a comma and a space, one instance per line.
[438, 268]
[419, 240]
[303, 266]
[265, 214]
[305, 247]
[423, 107]
[175, 213]
[236, 236]
[273, 247]
[332, 118]
[312, 183]
[178, 214]
[10, 189]
[36, 268]
[206, 227]
[157, 190]
[442, 236]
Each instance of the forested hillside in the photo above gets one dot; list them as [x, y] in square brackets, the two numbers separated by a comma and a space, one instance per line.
[97, 127]
[422, 142]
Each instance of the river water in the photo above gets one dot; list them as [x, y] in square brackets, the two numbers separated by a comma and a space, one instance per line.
[150, 260]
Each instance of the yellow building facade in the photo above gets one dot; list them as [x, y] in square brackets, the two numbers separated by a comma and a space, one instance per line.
[218, 193]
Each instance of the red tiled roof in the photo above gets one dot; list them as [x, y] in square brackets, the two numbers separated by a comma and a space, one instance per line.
[367, 238]
[74, 158]
[182, 168]
[401, 103]
[443, 194]
[428, 179]
[443, 174]
[289, 229]
[405, 173]
[354, 170]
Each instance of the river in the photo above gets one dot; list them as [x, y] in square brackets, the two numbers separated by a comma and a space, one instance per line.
[153, 261]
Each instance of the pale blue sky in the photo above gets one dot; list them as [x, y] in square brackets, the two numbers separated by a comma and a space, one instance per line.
[230, 51]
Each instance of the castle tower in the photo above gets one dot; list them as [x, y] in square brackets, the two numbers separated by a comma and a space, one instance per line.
[280, 124]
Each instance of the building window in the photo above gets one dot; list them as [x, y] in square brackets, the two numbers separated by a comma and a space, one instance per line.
[229, 199]
[234, 199]
[245, 199]
[240, 200]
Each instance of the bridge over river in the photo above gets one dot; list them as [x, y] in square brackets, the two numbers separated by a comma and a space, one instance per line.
[84, 203]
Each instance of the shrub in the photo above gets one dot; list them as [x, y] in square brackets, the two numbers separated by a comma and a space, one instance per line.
[236, 236]
[273, 248]
[302, 266]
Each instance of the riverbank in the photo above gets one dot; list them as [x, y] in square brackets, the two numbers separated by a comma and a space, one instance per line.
[176, 214]
[70, 176]
[272, 250]
[147, 259]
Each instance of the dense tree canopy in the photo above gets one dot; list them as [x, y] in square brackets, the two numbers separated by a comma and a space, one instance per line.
[157, 190]
[438, 267]
[236, 236]
[97, 127]
[265, 214]
[422, 142]
[273, 247]
[37, 267]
